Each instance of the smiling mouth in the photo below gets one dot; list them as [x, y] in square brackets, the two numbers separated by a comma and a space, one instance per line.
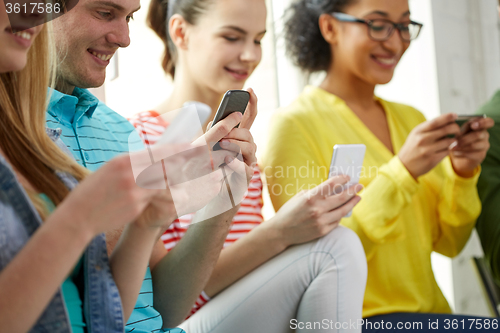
[22, 34]
[103, 57]
[386, 61]
[238, 72]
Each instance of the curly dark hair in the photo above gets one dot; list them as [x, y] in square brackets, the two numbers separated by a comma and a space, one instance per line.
[304, 42]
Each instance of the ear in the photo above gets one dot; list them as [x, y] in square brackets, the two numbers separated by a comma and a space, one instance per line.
[177, 27]
[329, 28]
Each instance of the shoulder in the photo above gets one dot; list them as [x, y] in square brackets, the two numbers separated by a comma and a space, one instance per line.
[306, 109]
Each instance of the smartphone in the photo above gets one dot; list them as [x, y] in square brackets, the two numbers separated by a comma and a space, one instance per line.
[347, 160]
[233, 101]
[465, 122]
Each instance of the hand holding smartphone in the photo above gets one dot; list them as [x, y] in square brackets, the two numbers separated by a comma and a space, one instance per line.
[465, 122]
[348, 160]
[233, 101]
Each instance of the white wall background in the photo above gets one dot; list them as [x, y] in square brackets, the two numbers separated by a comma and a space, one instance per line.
[454, 66]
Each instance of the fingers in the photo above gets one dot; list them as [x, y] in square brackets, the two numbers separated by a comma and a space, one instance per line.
[222, 128]
[440, 146]
[342, 211]
[219, 156]
[342, 197]
[247, 149]
[329, 186]
[241, 134]
[240, 168]
[471, 138]
[442, 132]
[439, 122]
[250, 112]
[209, 125]
[477, 146]
[482, 124]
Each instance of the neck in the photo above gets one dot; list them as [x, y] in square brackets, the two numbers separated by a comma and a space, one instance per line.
[349, 88]
[64, 87]
[185, 90]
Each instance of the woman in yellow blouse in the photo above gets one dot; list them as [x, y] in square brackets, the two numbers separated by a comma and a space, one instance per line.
[420, 185]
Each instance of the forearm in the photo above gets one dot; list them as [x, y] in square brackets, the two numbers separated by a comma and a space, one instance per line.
[242, 257]
[29, 282]
[181, 275]
[129, 261]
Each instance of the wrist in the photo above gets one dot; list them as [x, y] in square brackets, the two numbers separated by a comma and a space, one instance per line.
[72, 225]
[461, 171]
[465, 173]
[274, 234]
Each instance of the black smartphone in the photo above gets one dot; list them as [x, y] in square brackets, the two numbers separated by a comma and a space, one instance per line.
[233, 101]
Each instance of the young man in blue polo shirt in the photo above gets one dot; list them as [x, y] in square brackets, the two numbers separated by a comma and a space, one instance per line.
[86, 39]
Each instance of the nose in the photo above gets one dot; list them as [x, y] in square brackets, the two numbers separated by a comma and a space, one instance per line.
[251, 53]
[120, 35]
[27, 16]
[395, 43]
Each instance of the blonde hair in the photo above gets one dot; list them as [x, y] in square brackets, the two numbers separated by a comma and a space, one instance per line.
[23, 139]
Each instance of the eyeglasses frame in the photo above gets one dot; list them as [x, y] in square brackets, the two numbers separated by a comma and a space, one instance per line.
[343, 17]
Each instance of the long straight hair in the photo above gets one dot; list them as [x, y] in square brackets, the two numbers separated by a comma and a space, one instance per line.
[23, 139]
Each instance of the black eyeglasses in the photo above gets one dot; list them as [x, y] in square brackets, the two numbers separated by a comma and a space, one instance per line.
[381, 30]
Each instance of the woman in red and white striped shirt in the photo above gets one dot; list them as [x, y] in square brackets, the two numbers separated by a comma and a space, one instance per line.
[299, 264]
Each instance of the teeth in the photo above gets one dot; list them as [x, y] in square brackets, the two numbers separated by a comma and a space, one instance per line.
[103, 57]
[23, 35]
[386, 61]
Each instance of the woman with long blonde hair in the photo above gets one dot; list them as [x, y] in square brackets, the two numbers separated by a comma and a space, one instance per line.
[55, 275]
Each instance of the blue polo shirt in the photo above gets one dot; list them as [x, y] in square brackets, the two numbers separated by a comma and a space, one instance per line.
[95, 134]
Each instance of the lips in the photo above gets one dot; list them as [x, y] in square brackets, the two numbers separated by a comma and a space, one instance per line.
[101, 55]
[23, 36]
[385, 61]
[239, 74]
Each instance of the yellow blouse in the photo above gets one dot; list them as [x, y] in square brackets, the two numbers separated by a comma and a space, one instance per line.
[399, 220]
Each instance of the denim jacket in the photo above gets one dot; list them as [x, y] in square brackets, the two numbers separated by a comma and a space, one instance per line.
[19, 220]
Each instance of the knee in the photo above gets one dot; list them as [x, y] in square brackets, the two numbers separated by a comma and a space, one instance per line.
[345, 246]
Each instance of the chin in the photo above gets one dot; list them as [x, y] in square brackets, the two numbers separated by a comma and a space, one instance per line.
[92, 82]
[15, 64]
[382, 79]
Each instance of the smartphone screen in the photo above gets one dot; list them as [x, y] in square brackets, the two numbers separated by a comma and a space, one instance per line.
[348, 160]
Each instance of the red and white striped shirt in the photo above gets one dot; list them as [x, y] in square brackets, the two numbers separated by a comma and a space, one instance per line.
[151, 126]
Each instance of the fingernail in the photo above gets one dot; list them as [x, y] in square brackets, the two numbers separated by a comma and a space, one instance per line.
[454, 144]
[475, 125]
[228, 159]
[240, 115]
[224, 143]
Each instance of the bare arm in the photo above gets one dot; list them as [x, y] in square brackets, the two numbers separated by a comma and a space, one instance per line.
[181, 275]
[129, 261]
[307, 216]
[31, 279]
[242, 257]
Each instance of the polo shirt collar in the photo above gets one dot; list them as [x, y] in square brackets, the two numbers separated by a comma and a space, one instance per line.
[71, 108]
